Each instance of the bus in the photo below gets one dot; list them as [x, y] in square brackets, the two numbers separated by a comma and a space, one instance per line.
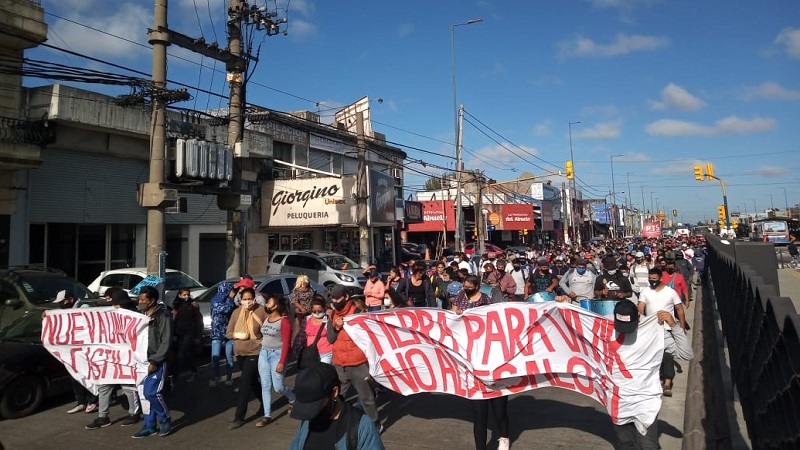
[777, 230]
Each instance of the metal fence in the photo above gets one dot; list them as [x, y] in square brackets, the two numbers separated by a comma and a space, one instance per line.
[762, 332]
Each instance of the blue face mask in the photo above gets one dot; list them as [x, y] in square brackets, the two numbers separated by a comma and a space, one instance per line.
[580, 270]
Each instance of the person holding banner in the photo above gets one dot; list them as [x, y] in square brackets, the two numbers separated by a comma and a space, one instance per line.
[159, 340]
[245, 330]
[471, 297]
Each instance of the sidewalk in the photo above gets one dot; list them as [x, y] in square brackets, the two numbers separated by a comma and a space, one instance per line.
[789, 280]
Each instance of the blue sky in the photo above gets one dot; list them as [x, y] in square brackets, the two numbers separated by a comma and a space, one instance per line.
[666, 84]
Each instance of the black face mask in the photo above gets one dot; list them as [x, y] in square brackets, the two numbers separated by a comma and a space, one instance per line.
[269, 310]
[340, 305]
[670, 270]
[323, 418]
[654, 283]
[470, 292]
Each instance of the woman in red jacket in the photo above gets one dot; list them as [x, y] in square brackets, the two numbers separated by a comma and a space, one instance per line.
[276, 338]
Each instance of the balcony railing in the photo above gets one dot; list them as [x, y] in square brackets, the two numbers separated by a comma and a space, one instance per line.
[17, 131]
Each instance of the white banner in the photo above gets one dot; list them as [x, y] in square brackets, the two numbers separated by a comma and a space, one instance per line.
[507, 348]
[98, 345]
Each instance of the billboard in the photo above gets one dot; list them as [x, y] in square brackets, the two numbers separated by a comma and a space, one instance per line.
[651, 229]
[516, 216]
[435, 214]
[381, 199]
[309, 201]
[601, 213]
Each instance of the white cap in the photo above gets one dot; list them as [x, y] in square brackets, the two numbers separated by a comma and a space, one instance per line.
[60, 296]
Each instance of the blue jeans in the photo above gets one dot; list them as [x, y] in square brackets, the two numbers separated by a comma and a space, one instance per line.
[152, 392]
[327, 358]
[267, 362]
[216, 349]
[374, 308]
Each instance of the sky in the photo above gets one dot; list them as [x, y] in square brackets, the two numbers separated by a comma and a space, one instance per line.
[657, 85]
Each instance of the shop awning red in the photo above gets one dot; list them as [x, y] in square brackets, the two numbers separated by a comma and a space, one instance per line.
[435, 213]
[517, 217]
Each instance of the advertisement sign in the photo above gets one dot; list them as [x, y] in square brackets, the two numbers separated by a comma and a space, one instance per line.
[98, 345]
[601, 213]
[413, 212]
[506, 348]
[517, 217]
[547, 216]
[380, 187]
[308, 202]
[434, 213]
[651, 229]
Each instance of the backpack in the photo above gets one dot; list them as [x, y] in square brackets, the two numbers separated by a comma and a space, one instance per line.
[353, 420]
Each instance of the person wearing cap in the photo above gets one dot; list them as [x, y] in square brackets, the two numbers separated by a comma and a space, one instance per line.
[578, 283]
[612, 285]
[349, 360]
[119, 299]
[518, 275]
[626, 322]
[327, 420]
[245, 281]
[374, 291]
[541, 280]
[639, 271]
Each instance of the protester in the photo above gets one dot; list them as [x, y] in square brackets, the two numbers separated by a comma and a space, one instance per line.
[222, 305]
[542, 280]
[327, 420]
[317, 324]
[374, 291]
[276, 332]
[578, 283]
[301, 297]
[612, 285]
[245, 330]
[159, 339]
[86, 401]
[349, 360]
[417, 289]
[471, 297]
[188, 331]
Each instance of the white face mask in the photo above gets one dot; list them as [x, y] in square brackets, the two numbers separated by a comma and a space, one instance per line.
[387, 302]
[318, 315]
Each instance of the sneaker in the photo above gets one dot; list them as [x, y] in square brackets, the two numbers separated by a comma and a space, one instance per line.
[130, 420]
[192, 377]
[236, 424]
[144, 432]
[228, 383]
[379, 427]
[165, 428]
[91, 408]
[76, 409]
[100, 422]
[503, 444]
[212, 383]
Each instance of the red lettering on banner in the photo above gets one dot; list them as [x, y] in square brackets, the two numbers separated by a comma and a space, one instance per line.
[51, 328]
[509, 370]
[532, 370]
[74, 329]
[495, 334]
[360, 321]
[103, 332]
[425, 322]
[131, 325]
[567, 335]
[554, 378]
[574, 363]
[536, 328]
[615, 358]
[408, 320]
[445, 331]
[402, 373]
[415, 366]
[614, 410]
[573, 320]
[449, 369]
[473, 334]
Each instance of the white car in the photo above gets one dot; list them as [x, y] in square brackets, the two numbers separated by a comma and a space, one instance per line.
[129, 277]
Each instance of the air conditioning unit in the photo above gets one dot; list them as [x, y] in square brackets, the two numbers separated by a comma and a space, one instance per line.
[396, 172]
[180, 157]
[212, 160]
[181, 207]
[241, 150]
[203, 150]
[191, 158]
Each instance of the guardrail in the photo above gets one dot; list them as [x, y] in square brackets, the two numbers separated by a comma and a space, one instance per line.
[762, 331]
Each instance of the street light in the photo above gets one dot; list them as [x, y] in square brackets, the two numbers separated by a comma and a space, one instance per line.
[614, 193]
[611, 212]
[459, 164]
[786, 201]
[576, 233]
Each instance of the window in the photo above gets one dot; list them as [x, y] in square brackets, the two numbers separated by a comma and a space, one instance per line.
[273, 287]
[115, 279]
[303, 262]
[133, 280]
[278, 258]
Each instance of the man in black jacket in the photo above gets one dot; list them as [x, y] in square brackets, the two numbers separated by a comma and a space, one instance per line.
[159, 339]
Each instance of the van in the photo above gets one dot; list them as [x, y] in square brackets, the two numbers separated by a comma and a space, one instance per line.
[326, 268]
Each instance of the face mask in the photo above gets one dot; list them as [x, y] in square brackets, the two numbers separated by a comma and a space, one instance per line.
[339, 305]
[318, 315]
[142, 306]
[269, 310]
[625, 274]
[612, 271]
[324, 416]
[470, 292]
[654, 283]
[581, 270]
[670, 270]
[544, 269]
[387, 302]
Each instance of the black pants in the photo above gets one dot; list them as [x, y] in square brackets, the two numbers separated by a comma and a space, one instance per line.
[630, 439]
[249, 385]
[667, 367]
[82, 395]
[499, 407]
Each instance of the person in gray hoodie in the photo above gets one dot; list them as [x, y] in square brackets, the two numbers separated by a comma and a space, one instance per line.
[159, 339]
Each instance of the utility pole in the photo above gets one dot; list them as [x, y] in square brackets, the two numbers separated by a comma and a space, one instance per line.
[479, 218]
[235, 77]
[361, 193]
[564, 221]
[459, 235]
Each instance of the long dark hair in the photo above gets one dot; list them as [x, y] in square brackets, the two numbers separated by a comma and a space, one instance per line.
[281, 305]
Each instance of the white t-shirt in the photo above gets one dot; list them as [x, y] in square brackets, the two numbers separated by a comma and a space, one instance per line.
[663, 300]
[466, 265]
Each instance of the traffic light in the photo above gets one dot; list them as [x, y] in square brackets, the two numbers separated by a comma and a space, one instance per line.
[709, 171]
[698, 173]
[721, 211]
[570, 170]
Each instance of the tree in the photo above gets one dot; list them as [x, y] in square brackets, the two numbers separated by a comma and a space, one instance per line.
[433, 184]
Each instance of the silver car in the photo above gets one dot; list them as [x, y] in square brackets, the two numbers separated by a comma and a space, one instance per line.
[280, 285]
[326, 268]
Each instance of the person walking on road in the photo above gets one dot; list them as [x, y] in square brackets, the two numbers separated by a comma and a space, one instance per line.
[159, 339]
[222, 305]
[245, 330]
[188, 331]
[276, 332]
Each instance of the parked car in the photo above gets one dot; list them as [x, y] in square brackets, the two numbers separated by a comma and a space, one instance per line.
[326, 268]
[518, 249]
[281, 285]
[469, 249]
[28, 372]
[24, 289]
[129, 277]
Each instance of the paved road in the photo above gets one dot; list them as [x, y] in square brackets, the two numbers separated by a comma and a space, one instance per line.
[547, 418]
[789, 280]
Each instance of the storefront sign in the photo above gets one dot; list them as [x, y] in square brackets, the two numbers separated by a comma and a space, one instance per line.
[413, 212]
[381, 199]
[517, 217]
[282, 133]
[547, 216]
[308, 202]
[328, 144]
[651, 229]
[435, 214]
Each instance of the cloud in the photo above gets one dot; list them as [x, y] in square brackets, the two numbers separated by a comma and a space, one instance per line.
[769, 90]
[580, 46]
[789, 38]
[542, 128]
[772, 171]
[502, 154]
[676, 97]
[726, 126]
[605, 130]
[128, 21]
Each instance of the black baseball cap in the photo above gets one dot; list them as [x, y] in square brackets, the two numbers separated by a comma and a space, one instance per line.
[626, 317]
[313, 385]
